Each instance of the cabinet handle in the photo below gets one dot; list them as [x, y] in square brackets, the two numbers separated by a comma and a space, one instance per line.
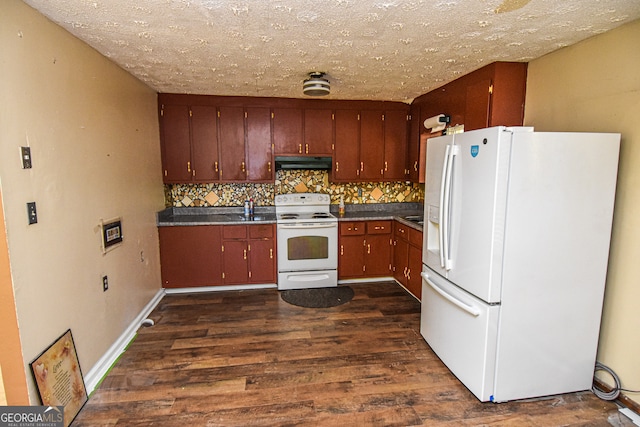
[271, 253]
[409, 274]
[269, 166]
[306, 148]
[362, 166]
[385, 166]
[337, 166]
[299, 148]
[405, 272]
[244, 253]
[341, 249]
[415, 166]
[194, 173]
[188, 166]
[378, 227]
[242, 166]
[401, 230]
[368, 249]
[215, 165]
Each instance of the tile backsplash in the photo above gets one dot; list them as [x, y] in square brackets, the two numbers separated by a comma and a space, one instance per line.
[291, 181]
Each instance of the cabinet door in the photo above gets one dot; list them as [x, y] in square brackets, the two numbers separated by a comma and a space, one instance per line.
[318, 131]
[176, 144]
[204, 143]
[400, 257]
[232, 150]
[413, 146]
[287, 131]
[262, 262]
[259, 147]
[346, 160]
[414, 281]
[395, 145]
[476, 113]
[378, 255]
[235, 262]
[190, 256]
[371, 145]
[351, 257]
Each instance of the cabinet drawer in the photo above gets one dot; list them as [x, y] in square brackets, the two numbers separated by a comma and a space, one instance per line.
[378, 227]
[261, 231]
[415, 237]
[234, 232]
[401, 231]
[352, 228]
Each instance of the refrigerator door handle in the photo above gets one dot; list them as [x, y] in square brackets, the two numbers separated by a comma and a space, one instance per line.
[453, 300]
[442, 201]
[452, 151]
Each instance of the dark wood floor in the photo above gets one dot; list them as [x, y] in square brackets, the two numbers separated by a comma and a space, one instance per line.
[247, 358]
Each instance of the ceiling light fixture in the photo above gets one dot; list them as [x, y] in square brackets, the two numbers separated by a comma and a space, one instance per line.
[316, 85]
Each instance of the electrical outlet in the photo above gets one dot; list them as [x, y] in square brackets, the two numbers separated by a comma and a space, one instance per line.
[105, 283]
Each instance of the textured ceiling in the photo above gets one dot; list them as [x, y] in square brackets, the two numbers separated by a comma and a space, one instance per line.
[370, 49]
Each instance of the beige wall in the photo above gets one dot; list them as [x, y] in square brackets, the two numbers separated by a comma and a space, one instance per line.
[595, 86]
[93, 133]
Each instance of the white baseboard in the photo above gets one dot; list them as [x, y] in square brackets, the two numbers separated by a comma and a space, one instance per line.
[218, 288]
[102, 366]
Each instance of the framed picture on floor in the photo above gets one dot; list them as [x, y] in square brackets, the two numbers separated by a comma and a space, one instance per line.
[59, 378]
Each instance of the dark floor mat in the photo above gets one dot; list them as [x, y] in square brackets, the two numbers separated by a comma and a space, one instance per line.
[318, 298]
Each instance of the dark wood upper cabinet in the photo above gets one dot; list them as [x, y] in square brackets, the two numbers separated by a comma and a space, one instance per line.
[490, 96]
[318, 131]
[259, 157]
[204, 143]
[234, 139]
[176, 143]
[476, 111]
[371, 145]
[395, 145]
[413, 148]
[493, 95]
[346, 159]
[287, 131]
[232, 161]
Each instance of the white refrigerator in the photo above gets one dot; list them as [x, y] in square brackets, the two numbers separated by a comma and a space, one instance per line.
[516, 243]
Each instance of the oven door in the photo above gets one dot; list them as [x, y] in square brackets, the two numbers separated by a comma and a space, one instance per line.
[307, 246]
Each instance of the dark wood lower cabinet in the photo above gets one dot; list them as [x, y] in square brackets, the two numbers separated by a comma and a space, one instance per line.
[407, 258]
[195, 256]
[190, 256]
[364, 249]
[249, 254]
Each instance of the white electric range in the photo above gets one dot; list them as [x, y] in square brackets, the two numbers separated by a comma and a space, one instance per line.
[307, 235]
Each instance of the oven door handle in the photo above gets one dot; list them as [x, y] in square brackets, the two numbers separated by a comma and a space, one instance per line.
[306, 227]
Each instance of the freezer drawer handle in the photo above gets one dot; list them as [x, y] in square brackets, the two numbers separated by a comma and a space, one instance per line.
[469, 309]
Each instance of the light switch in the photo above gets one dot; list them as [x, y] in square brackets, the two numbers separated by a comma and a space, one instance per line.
[25, 155]
[31, 211]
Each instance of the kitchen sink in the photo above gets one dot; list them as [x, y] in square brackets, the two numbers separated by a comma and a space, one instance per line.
[418, 219]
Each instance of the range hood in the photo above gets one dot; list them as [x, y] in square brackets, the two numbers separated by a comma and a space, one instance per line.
[303, 162]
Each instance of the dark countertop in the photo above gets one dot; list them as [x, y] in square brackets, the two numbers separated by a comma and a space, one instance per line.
[266, 214]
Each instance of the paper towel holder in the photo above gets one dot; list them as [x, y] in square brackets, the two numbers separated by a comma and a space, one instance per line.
[437, 123]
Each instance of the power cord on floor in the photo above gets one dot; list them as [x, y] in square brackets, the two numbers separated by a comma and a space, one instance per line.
[615, 392]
